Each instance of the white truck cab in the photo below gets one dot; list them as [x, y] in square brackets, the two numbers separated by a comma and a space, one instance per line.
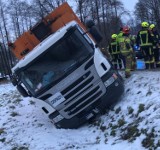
[69, 77]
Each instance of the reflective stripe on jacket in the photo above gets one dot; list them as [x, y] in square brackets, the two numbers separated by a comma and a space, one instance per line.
[144, 38]
[125, 45]
[114, 48]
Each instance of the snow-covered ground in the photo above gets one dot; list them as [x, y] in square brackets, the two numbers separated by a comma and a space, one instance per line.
[132, 124]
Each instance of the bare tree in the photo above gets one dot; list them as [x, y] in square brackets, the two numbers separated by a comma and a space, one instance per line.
[148, 10]
[19, 16]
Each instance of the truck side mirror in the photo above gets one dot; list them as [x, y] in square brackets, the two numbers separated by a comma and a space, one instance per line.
[14, 81]
[92, 29]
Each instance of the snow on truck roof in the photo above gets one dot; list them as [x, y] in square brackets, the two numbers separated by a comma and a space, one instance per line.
[45, 44]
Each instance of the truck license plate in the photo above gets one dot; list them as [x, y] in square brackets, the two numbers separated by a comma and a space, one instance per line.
[56, 99]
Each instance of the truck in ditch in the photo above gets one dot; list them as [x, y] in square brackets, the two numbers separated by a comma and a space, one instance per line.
[61, 66]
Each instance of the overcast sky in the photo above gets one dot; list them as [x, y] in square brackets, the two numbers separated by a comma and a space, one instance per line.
[129, 4]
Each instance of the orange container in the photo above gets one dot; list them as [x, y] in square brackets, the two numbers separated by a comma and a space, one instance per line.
[50, 24]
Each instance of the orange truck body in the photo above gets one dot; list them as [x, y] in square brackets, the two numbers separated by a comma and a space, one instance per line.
[47, 26]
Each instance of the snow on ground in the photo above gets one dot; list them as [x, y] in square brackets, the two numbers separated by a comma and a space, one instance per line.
[132, 124]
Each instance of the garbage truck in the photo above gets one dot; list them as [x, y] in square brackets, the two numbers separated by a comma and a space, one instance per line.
[61, 66]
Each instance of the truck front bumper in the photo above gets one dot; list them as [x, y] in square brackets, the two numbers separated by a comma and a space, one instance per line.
[112, 95]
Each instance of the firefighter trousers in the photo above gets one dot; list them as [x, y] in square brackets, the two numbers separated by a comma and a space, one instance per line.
[148, 56]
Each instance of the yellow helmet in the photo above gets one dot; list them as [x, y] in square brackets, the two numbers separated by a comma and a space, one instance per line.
[145, 24]
[152, 26]
[114, 36]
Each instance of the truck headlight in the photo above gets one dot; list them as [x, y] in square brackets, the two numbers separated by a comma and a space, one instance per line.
[58, 118]
[110, 80]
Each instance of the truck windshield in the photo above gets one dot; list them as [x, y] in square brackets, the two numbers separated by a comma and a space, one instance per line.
[56, 62]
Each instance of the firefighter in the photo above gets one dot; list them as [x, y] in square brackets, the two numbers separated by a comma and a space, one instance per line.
[126, 50]
[133, 41]
[119, 37]
[156, 44]
[115, 52]
[145, 40]
[133, 54]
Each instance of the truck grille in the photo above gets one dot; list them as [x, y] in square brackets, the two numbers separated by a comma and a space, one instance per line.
[82, 102]
[87, 89]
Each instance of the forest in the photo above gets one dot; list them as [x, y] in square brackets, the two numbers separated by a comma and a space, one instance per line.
[18, 16]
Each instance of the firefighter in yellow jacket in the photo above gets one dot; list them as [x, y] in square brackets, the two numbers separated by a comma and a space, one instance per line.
[156, 44]
[115, 52]
[145, 41]
[126, 50]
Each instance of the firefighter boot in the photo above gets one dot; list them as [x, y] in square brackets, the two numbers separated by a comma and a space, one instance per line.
[127, 74]
[147, 66]
[151, 65]
[115, 66]
[120, 65]
[158, 64]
